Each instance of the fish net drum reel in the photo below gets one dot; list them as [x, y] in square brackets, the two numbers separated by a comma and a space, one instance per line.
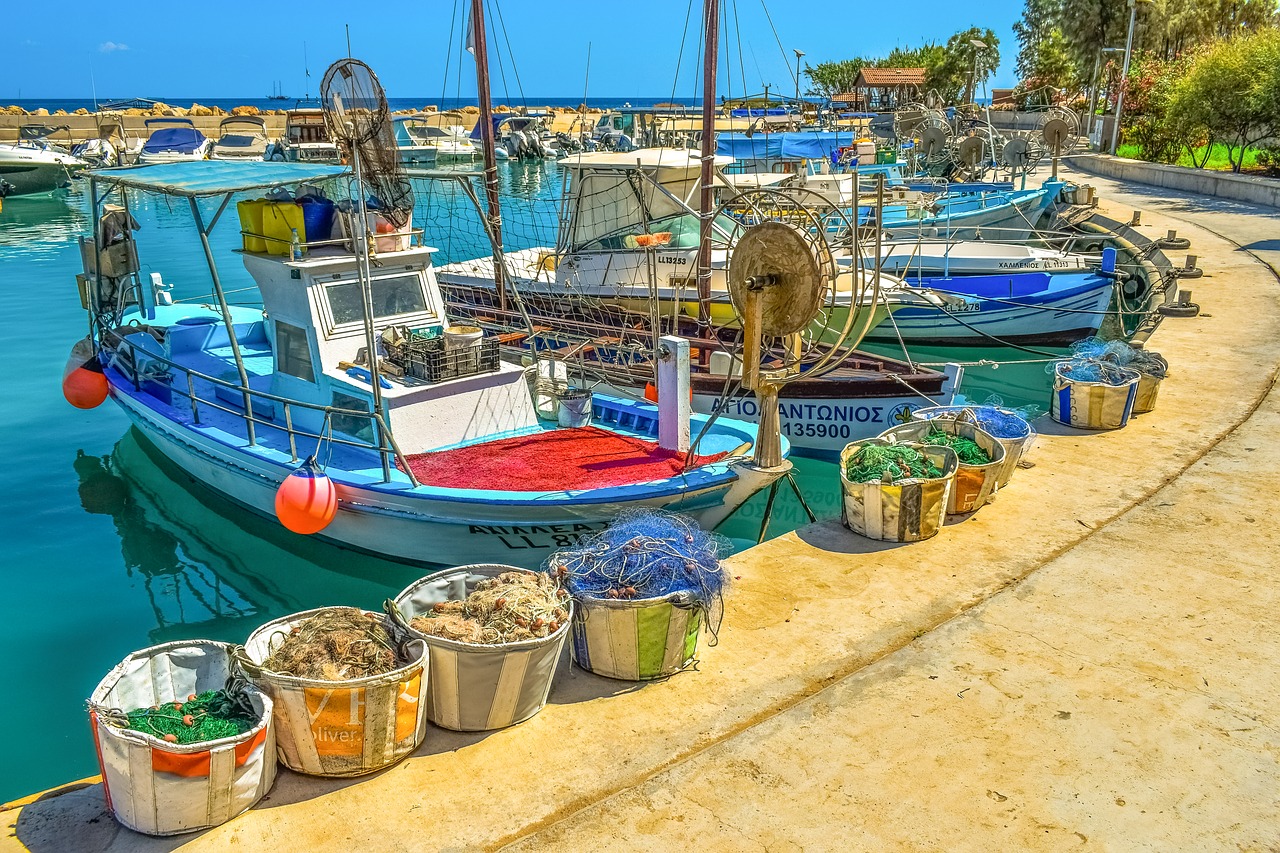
[797, 311]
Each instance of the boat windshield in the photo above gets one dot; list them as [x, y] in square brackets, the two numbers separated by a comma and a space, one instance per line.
[392, 295]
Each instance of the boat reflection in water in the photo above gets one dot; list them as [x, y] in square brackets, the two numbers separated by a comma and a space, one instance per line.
[209, 568]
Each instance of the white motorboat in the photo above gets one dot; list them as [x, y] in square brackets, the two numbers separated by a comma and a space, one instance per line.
[173, 140]
[422, 143]
[241, 138]
[306, 139]
[33, 164]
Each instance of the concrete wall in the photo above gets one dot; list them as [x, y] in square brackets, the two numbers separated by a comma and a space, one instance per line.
[1219, 184]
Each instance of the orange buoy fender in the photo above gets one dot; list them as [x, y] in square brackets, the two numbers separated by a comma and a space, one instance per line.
[83, 382]
[307, 500]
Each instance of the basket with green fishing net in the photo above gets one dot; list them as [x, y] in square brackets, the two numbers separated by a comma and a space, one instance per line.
[184, 742]
[896, 491]
[980, 457]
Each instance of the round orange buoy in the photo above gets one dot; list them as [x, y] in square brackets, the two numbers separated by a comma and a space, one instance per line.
[306, 501]
[83, 382]
[651, 393]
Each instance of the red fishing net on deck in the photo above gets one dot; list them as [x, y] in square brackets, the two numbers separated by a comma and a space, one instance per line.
[553, 460]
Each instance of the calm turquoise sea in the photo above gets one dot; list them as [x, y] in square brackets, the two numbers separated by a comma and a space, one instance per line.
[105, 550]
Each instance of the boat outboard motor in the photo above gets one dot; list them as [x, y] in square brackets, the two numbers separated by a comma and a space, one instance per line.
[5, 188]
[513, 143]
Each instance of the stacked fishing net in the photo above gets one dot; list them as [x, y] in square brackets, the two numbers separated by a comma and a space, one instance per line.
[211, 715]
[1108, 362]
[336, 644]
[992, 416]
[890, 463]
[646, 554]
[1121, 353]
[968, 450]
[509, 608]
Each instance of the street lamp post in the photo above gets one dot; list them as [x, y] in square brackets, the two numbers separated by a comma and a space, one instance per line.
[799, 53]
[978, 45]
[1124, 75]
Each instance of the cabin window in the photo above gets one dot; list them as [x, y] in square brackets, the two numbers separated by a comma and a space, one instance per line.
[293, 352]
[353, 425]
[392, 295]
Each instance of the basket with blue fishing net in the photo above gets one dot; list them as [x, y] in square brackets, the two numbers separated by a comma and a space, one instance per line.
[896, 491]
[979, 454]
[645, 587]
[1152, 367]
[1010, 427]
[1092, 393]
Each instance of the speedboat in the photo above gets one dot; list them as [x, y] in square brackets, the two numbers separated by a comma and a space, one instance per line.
[306, 139]
[33, 164]
[241, 138]
[172, 140]
[422, 143]
[442, 460]
[520, 137]
[411, 143]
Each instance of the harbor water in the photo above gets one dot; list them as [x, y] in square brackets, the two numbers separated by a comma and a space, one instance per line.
[109, 549]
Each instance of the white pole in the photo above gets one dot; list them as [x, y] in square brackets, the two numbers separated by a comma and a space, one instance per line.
[673, 393]
[1124, 77]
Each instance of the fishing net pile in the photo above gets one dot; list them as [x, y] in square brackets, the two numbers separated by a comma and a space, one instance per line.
[336, 644]
[889, 463]
[206, 716]
[511, 607]
[646, 554]
[1121, 353]
[968, 450]
[1090, 370]
[993, 417]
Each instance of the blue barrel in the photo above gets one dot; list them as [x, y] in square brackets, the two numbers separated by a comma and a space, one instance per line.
[317, 215]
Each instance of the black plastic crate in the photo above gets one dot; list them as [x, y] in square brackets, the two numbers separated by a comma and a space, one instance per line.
[428, 358]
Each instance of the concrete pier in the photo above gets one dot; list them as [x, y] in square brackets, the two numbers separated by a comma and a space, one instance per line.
[1088, 662]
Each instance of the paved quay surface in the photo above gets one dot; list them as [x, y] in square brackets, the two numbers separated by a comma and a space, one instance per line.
[1087, 663]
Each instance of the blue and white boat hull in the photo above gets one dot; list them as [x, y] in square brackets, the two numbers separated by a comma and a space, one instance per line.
[1027, 308]
[432, 525]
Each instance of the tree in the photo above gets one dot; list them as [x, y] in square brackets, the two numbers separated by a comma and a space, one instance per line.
[956, 73]
[1150, 88]
[1044, 61]
[1232, 90]
[828, 79]
[1174, 26]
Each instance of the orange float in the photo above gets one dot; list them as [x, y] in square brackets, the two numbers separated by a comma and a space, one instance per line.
[83, 382]
[307, 500]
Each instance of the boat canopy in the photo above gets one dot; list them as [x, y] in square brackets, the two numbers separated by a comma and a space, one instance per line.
[210, 178]
[183, 139]
[810, 145]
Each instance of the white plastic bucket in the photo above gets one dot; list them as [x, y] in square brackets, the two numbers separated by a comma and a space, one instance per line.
[462, 337]
[575, 408]
[161, 788]
[476, 687]
[342, 728]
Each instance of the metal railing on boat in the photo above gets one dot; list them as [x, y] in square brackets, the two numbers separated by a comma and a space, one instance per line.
[386, 446]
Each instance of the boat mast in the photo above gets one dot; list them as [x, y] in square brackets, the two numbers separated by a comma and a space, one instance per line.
[710, 60]
[480, 48]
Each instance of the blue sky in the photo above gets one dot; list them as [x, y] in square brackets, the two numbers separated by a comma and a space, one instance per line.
[238, 50]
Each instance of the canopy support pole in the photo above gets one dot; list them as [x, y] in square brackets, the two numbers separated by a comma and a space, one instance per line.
[226, 316]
